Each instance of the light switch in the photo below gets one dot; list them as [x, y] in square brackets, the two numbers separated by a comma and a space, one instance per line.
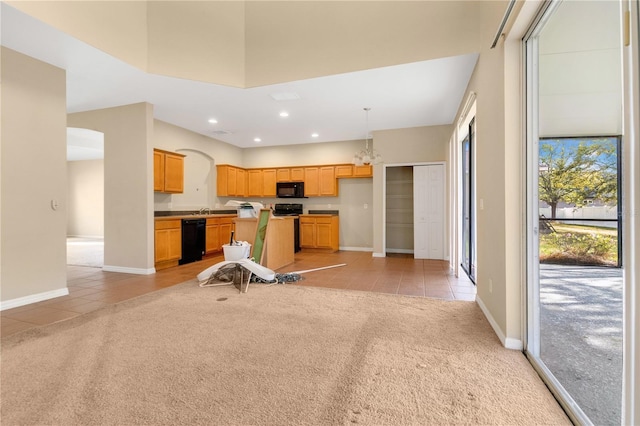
[481, 204]
[366, 206]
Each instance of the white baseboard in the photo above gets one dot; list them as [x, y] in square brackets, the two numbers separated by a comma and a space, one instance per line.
[86, 236]
[356, 248]
[378, 255]
[33, 298]
[402, 251]
[507, 342]
[125, 270]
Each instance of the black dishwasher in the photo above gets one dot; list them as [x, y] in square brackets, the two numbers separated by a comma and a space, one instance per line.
[193, 240]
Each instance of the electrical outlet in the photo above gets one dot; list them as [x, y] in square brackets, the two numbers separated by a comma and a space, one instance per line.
[328, 206]
[366, 206]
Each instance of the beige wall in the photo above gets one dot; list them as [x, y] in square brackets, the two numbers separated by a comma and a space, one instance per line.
[198, 40]
[249, 44]
[403, 146]
[202, 154]
[34, 173]
[85, 216]
[500, 175]
[128, 189]
[302, 155]
[288, 41]
[94, 21]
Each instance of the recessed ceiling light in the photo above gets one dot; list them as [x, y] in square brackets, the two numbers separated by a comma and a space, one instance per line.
[284, 114]
[314, 135]
[257, 140]
[213, 121]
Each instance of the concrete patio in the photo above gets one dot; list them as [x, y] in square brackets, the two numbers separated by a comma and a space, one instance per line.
[581, 335]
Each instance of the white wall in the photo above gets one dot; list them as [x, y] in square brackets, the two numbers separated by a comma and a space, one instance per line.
[34, 172]
[85, 216]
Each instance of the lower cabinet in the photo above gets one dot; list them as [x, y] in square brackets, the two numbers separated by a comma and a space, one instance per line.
[218, 232]
[320, 232]
[168, 242]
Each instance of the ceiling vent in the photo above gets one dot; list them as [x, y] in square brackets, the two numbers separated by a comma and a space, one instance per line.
[220, 132]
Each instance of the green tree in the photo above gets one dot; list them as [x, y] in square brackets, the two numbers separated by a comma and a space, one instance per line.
[575, 170]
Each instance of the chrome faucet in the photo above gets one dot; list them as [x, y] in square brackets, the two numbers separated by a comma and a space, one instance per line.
[205, 210]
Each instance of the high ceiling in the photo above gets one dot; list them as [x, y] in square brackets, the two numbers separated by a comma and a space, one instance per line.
[410, 95]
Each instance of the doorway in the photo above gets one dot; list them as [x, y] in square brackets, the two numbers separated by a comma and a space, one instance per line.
[85, 195]
[415, 210]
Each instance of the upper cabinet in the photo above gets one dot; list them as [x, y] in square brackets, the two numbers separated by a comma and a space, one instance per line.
[290, 174]
[353, 171]
[231, 181]
[261, 182]
[168, 172]
[319, 181]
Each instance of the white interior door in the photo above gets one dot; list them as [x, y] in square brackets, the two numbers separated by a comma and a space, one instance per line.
[428, 211]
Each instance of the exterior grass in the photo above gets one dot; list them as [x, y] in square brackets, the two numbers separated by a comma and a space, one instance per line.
[579, 245]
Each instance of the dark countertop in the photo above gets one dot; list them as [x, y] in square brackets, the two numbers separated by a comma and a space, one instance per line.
[329, 212]
[164, 213]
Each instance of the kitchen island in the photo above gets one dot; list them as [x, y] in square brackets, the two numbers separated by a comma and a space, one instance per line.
[278, 244]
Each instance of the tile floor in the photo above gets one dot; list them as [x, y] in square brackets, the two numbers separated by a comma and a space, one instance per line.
[91, 288]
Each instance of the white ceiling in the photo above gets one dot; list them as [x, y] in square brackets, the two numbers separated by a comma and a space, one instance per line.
[411, 95]
[84, 144]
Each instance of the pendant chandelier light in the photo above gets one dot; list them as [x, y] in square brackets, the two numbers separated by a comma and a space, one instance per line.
[367, 155]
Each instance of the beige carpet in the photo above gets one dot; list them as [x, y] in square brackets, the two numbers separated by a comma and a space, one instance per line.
[277, 355]
[85, 251]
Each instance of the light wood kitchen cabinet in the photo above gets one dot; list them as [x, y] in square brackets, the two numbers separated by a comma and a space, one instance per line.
[363, 171]
[226, 226]
[344, 170]
[328, 182]
[217, 233]
[278, 248]
[261, 183]
[254, 183]
[283, 175]
[212, 236]
[320, 232]
[320, 182]
[297, 174]
[269, 182]
[312, 181]
[231, 181]
[353, 171]
[168, 242]
[241, 183]
[290, 174]
[168, 172]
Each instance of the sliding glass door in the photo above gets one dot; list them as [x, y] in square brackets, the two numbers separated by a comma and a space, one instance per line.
[468, 205]
[574, 280]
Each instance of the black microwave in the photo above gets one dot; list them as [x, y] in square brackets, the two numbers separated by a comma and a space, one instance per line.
[290, 189]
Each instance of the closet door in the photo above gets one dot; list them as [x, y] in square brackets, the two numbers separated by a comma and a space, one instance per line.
[428, 211]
